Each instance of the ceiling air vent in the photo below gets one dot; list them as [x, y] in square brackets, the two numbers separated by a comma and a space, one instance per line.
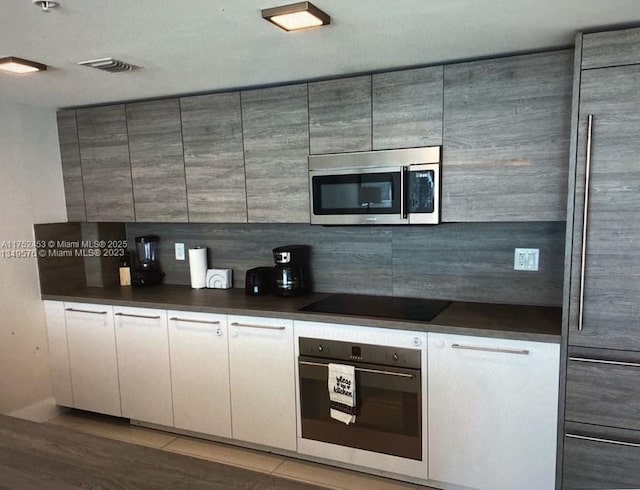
[109, 64]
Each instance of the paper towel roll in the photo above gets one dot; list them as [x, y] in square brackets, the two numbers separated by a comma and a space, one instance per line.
[198, 267]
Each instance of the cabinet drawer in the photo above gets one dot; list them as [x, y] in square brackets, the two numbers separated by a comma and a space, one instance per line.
[604, 391]
[597, 458]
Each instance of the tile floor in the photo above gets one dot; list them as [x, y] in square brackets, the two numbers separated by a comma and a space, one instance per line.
[318, 474]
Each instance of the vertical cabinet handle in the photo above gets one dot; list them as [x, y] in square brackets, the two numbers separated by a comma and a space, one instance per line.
[585, 220]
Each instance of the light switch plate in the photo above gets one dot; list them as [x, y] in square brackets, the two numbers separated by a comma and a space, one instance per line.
[526, 259]
[179, 251]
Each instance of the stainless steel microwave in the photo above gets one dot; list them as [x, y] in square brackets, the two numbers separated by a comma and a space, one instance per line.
[388, 187]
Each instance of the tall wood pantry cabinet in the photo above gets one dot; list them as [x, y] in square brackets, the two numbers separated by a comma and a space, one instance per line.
[602, 415]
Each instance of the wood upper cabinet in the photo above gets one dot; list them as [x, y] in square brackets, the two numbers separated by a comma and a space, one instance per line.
[106, 172]
[612, 48]
[71, 165]
[611, 312]
[340, 115]
[506, 138]
[407, 108]
[213, 158]
[157, 163]
[276, 147]
[399, 109]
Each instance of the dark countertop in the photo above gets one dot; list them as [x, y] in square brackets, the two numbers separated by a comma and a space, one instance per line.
[518, 322]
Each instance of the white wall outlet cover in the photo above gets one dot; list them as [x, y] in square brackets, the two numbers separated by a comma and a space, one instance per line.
[526, 259]
[179, 251]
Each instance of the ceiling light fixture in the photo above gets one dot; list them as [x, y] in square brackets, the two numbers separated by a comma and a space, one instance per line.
[20, 66]
[45, 5]
[296, 16]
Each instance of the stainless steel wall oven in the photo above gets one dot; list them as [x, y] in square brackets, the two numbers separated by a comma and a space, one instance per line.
[388, 396]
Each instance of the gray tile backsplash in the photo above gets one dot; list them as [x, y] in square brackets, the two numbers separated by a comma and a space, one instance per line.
[474, 262]
[461, 261]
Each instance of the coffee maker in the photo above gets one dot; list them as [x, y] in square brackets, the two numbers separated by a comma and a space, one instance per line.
[148, 272]
[292, 272]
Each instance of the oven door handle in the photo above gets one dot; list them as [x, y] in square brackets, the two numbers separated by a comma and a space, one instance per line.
[362, 370]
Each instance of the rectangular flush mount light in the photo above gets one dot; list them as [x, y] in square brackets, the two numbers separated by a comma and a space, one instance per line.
[20, 66]
[296, 16]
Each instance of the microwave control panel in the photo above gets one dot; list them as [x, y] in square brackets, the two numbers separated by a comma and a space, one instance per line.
[421, 191]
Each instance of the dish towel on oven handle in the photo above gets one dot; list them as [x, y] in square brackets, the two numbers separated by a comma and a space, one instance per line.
[342, 392]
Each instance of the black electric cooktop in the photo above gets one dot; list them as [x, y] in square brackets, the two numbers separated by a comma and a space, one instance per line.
[422, 310]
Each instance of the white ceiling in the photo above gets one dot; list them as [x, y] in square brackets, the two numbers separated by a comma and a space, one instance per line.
[190, 46]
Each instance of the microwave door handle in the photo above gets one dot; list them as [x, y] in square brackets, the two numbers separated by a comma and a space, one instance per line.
[404, 190]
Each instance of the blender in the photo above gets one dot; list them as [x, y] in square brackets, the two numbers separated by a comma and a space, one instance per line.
[148, 272]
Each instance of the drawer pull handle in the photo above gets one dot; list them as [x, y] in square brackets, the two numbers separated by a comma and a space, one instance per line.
[248, 325]
[188, 320]
[601, 361]
[585, 221]
[607, 441]
[139, 316]
[86, 311]
[362, 370]
[523, 352]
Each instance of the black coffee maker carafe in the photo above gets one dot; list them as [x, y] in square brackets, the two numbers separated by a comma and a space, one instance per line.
[292, 272]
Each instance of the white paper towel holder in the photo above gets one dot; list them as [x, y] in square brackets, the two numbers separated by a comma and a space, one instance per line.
[198, 267]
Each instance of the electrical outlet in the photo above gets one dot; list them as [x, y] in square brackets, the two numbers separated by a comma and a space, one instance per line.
[179, 251]
[526, 259]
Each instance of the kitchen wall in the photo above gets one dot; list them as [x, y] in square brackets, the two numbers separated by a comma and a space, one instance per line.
[462, 261]
[31, 191]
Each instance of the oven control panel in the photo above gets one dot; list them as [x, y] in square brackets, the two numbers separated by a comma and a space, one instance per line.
[339, 351]
[356, 353]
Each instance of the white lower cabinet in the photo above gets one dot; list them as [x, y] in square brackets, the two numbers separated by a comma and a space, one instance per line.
[491, 404]
[200, 372]
[493, 407]
[92, 357]
[262, 373]
[143, 364]
[58, 353]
